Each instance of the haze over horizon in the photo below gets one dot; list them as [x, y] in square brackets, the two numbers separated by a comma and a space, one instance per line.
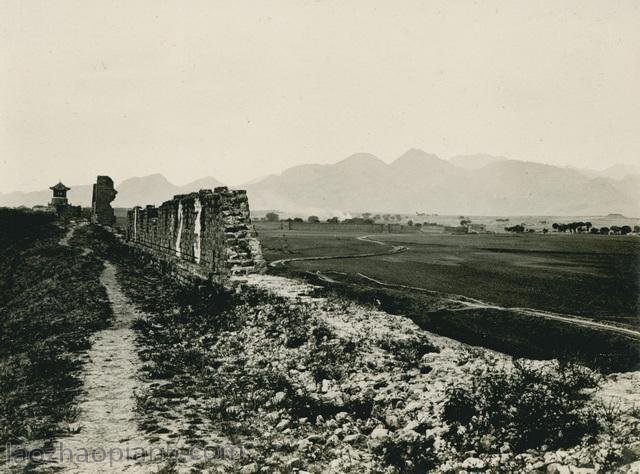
[242, 90]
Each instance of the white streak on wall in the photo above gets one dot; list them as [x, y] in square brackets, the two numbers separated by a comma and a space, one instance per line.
[196, 230]
[179, 236]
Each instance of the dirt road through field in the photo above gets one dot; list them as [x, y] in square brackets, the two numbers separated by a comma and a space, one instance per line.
[471, 303]
[394, 249]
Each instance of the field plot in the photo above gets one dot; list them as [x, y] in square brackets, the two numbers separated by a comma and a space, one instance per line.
[594, 277]
[282, 244]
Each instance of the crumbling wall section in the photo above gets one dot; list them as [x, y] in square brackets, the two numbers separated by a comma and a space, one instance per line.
[103, 194]
[203, 235]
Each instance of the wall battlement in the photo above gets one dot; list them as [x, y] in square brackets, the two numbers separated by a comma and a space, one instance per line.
[206, 235]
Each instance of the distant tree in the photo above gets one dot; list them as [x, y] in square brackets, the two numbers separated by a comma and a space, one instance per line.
[376, 217]
[464, 222]
[272, 217]
[410, 223]
[333, 220]
[313, 219]
[625, 229]
[418, 224]
[366, 215]
[297, 219]
[555, 226]
[636, 229]
[604, 230]
[353, 220]
[515, 228]
[615, 229]
[594, 230]
[398, 217]
[545, 230]
[588, 225]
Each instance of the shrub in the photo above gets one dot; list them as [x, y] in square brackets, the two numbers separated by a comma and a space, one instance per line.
[409, 352]
[330, 359]
[322, 332]
[410, 453]
[526, 407]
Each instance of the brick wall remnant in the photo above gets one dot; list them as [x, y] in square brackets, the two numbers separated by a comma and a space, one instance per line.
[205, 234]
[103, 194]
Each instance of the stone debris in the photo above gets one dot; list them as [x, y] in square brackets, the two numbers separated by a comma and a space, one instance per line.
[409, 402]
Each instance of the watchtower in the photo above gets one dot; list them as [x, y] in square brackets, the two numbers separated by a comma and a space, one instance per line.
[59, 197]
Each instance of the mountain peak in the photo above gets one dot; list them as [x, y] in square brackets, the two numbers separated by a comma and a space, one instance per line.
[208, 182]
[150, 178]
[418, 161]
[361, 159]
[415, 155]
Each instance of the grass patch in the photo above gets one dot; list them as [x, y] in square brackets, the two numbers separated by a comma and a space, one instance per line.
[51, 301]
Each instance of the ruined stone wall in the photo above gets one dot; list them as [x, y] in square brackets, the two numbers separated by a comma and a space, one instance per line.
[103, 194]
[206, 234]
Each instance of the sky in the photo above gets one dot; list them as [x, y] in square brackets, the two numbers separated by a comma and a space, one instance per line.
[238, 90]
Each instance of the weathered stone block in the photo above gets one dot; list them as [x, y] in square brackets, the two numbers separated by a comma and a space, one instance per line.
[103, 194]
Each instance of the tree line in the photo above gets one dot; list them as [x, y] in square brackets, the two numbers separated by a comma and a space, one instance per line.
[367, 218]
[582, 227]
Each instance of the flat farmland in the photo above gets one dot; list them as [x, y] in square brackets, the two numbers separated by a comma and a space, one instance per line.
[586, 275]
[283, 244]
[589, 276]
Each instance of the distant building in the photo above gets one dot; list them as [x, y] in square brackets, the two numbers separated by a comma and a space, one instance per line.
[59, 195]
[477, 228]
[60, 204]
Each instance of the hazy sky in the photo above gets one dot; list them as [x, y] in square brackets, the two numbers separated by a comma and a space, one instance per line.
[239, 89]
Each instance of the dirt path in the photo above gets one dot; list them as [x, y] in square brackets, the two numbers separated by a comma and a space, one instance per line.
[394, 249]
[106, 423]
[368, 238]
[472, 303]
[64, 240]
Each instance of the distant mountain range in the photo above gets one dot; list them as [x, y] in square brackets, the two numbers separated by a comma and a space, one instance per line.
[152, 189]
[422, 182]
[415, 182]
